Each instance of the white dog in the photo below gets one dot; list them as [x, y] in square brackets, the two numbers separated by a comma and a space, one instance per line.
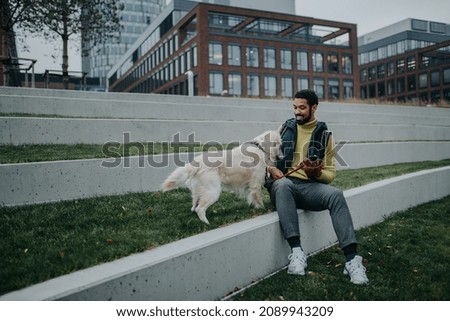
[241, 170]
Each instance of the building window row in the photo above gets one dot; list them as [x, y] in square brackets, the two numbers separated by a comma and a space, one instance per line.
[407, 85]
[272, 28]
[157, 56]
[398, 67]
[170, 70]
[392, 49]
[284, 57]
[324, 89]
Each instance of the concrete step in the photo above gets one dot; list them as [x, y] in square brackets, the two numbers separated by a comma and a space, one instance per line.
[32, 183]
[210, 265]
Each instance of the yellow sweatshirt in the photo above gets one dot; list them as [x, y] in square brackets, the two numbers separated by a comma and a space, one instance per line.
[304, 133]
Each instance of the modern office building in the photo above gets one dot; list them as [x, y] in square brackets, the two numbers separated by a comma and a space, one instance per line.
[240, 52]
[136, 16]
[406, 62]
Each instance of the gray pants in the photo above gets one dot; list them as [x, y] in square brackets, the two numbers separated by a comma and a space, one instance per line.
[289, 194]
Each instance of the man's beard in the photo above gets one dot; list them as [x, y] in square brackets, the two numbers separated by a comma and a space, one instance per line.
[301, 120]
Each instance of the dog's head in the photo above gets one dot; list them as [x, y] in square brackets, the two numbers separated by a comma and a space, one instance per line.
[270, 142]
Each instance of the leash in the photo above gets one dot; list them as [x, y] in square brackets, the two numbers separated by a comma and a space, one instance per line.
[298, 167]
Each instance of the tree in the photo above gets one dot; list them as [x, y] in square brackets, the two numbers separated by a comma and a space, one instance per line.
[12, 13]
[95, 20]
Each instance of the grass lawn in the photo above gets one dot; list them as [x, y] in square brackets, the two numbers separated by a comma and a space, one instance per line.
[40, 242]
[407, 258]
[11, 154]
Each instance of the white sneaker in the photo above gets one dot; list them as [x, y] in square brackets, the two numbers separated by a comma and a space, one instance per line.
[356, 270]
[297, 264]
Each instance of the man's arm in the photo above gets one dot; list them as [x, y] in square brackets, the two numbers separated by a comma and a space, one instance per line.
[328, 171]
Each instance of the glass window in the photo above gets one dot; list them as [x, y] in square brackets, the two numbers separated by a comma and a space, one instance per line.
[371, 73]
[392, 50]
[302, 83]
[252, 85]
[270, 86]
[423, 80]
[411, 63]
[269, 58]
[182, 64]
[400, 85]
[390, 69]
[411, 82]
[425, 62]
[381, 89]
[302, 60]
[382, 52]
[400, 66]
[286, 59]
[252, 56]
[390, 87]
[215, 83]
[447, 95]
[234, 55]
[319, 87]
[372, 93]
[363, 92]
[363, 58]
[434, 76]
[333, 66]
[419, 25]
[401, 47]
[348, 89]
[437, 27]
[235, 84]
[447, 76]
[215, 54]
[287, 87]
[363, 74]
[194, 56]
[189, 59]
[373, 55]
[347, 67]
[380, 71]
[317, 61]
[333, 89]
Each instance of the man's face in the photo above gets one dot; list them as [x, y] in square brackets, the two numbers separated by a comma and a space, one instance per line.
[302, 111]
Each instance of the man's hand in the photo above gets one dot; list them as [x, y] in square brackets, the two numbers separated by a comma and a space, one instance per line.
[312, 168]
[275, 172]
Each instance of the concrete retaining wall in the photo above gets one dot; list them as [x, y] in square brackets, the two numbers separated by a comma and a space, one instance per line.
[139, 106]
[20, 130]
[31, 183]
[210, 265]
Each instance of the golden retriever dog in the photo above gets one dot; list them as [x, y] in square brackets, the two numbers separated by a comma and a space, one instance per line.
[239, 170]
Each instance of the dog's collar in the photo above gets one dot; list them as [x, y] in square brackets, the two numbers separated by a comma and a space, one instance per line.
[257, 145]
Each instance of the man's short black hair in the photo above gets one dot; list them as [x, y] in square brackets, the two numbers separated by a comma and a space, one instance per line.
[309, 95]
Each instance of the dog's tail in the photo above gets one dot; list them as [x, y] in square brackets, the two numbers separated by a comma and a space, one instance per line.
[178, 178]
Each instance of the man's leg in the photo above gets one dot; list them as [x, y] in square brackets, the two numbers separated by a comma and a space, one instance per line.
[318, 197]
[283, 196]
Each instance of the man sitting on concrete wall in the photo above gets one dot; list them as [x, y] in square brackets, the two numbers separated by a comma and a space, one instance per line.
[300, 180]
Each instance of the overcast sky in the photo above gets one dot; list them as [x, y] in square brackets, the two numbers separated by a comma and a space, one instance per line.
[369, 15]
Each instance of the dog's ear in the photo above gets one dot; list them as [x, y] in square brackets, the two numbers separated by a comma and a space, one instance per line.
[263, 138]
